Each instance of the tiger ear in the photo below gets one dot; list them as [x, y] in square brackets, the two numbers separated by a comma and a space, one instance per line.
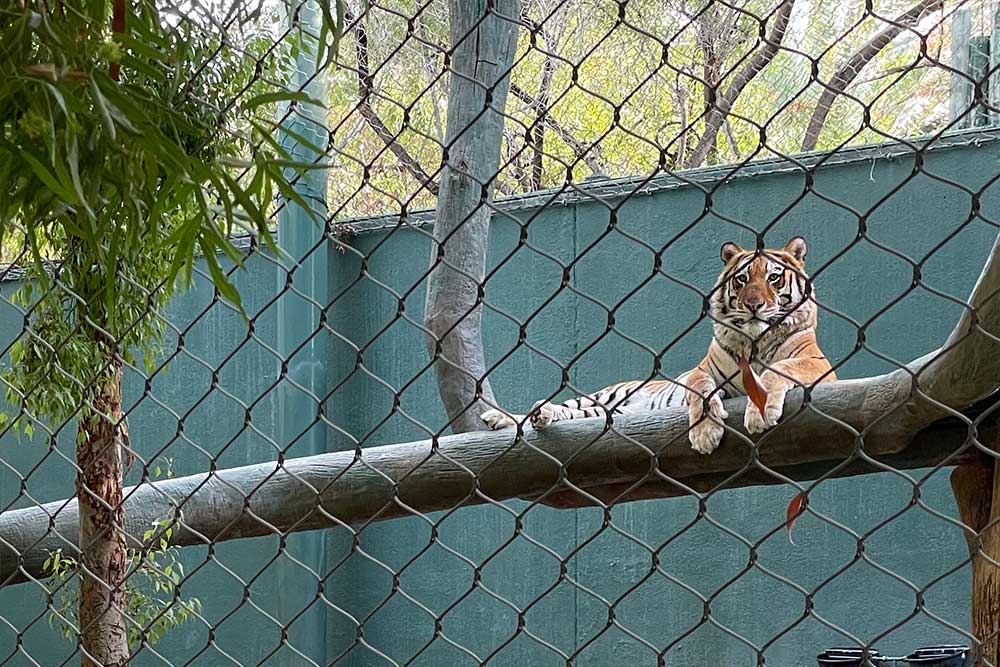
[728, 251]
[797, 248]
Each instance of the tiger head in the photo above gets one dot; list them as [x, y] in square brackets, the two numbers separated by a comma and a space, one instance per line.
[761, 289]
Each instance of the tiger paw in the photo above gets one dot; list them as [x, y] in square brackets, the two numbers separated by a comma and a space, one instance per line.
[706, 431]
[543, 414]
[497, 420]
[755, 422]
[705, 436]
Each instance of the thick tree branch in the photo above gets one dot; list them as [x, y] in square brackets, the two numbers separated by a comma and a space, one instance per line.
[334, 489]
[365, 91]
[483, 40]
[760, 60]
[849, 71]
[912, 418]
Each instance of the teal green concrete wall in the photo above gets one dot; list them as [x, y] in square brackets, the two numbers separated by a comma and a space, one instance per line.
[193, 424]
[856, 282]
[439, 557]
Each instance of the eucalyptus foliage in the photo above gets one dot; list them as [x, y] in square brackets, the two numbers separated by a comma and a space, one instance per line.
[153, 603]
[112, 187]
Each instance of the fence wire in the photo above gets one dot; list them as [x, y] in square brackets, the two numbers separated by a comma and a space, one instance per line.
[263, 426]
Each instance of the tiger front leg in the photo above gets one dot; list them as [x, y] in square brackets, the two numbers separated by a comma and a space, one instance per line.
[776, 387]
[706, 430]
[544, 413]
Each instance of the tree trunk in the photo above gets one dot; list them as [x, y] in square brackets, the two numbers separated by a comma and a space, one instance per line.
[483, 38]
[102, 517]
[849, 71]
[978, 497]
[718, 103]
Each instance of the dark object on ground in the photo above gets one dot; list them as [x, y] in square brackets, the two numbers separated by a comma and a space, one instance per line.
[945, 655]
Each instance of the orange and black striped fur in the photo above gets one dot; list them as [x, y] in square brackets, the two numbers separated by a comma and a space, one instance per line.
[762, 302]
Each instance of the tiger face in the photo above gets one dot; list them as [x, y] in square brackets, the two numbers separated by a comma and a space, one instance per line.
[759, 289]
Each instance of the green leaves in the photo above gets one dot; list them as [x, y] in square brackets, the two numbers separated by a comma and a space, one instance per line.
[279, 96]
[153, 600]
[128, 182]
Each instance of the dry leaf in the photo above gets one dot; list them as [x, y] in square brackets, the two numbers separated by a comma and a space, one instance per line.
[795, 508]
[751, 383]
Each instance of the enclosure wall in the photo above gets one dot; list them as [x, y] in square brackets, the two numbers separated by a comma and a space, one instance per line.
[607, 564]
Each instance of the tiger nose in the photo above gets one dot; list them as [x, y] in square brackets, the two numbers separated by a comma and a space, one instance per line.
[754, 303]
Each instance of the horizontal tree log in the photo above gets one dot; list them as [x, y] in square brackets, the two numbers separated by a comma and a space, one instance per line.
[944, 443]
[344, 488]
[911, 418]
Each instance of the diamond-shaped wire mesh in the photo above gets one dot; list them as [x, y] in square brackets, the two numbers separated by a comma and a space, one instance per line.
[603, 161]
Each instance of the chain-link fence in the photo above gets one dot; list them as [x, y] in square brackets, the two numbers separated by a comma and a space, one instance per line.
[773, 222]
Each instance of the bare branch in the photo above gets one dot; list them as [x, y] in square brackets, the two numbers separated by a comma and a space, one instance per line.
[900, 69]
[731, 139]
[365, 91]
[589, 154]
[849, 71]
[751, 69]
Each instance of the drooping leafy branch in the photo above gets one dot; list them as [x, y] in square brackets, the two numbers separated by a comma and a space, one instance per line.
[124, 153]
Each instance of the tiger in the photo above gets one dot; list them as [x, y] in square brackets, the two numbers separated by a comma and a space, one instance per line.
[763, 309]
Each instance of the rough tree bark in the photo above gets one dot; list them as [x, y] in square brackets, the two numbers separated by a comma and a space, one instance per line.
[718, 106]
[399, 480]
[483, 39]
[976, 493]
[846, 73]
[103, 555]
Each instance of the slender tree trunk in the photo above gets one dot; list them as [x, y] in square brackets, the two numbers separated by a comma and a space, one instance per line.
[483, 39]
[538, 135]
[102, 517]
[718, 105]
[978, 497]
[590, 155]
[849, 71]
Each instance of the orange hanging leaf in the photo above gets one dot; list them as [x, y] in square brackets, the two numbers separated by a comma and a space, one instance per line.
[795, 509]
[751, 383]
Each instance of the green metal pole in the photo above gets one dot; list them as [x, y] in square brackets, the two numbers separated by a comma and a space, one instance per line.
[995, 67]
[979, 67]
[961, 87]
[301, 235]
[300, 339]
